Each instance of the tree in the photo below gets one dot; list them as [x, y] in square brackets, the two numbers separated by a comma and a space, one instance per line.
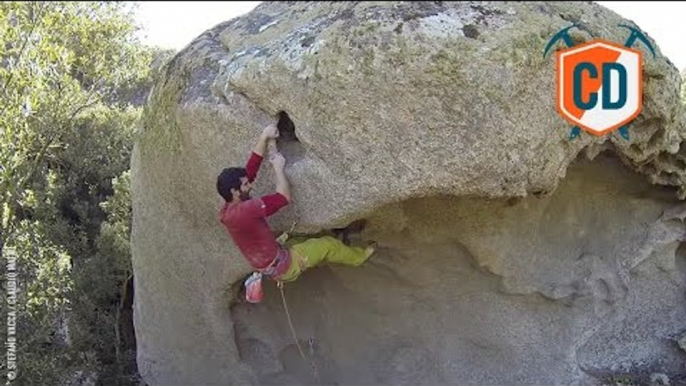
[69, 71]
[59, 59]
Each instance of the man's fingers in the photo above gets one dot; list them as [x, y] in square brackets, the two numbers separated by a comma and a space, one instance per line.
[271, 131]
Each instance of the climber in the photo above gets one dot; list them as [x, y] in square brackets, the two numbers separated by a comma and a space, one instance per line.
[245, 218]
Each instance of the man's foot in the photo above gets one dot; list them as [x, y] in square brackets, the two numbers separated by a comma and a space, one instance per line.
[370, 249]
[354, 227]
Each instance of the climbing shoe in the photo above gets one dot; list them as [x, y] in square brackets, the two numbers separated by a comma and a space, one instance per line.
[370, 249]
[354, 227]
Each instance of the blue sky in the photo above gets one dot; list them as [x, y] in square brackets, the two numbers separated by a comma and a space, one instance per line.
[174, 24]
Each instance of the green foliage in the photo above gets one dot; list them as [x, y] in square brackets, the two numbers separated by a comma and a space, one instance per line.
[116, 231]
[683, 86]
[59, 59]
[74, 79]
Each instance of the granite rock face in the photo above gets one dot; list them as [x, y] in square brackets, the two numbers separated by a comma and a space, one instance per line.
[509, 254]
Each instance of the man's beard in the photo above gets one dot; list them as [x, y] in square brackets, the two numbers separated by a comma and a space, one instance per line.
[245, 196]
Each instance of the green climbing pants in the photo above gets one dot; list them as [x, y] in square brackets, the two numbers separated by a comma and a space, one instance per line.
[307, 253]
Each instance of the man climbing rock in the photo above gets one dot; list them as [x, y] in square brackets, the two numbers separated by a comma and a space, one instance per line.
[245, 218]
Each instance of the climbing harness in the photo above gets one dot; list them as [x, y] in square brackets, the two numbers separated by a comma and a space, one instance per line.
[253, 284]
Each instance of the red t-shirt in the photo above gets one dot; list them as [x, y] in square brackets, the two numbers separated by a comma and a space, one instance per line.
[247, 224]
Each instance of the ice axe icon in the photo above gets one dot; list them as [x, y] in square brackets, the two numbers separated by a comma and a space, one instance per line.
[637, 34]
[563, 35]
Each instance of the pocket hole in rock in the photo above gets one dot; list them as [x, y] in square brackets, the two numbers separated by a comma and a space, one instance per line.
[288, 143]
[286, 128]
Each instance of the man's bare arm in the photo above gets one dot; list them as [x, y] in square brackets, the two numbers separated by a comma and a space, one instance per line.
[282, 185]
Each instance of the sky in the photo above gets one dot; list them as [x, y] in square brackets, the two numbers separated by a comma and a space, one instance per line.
[664, 21]
[174, 24]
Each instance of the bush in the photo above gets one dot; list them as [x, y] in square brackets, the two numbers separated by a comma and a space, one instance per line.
[74, 79]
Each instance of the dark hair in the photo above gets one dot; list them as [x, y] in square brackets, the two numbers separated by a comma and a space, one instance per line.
[230, 178]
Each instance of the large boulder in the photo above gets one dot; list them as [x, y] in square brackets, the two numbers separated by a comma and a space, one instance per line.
[509, 253]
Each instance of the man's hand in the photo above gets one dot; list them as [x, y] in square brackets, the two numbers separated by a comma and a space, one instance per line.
[278, 161]
[270, 132]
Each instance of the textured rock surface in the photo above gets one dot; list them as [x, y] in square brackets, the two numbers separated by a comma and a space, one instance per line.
[583, 285]
[500, 262]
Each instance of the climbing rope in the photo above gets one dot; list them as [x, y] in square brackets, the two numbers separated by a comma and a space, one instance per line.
[315, 371]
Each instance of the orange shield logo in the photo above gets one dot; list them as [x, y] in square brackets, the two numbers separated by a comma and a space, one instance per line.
[599, 85]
